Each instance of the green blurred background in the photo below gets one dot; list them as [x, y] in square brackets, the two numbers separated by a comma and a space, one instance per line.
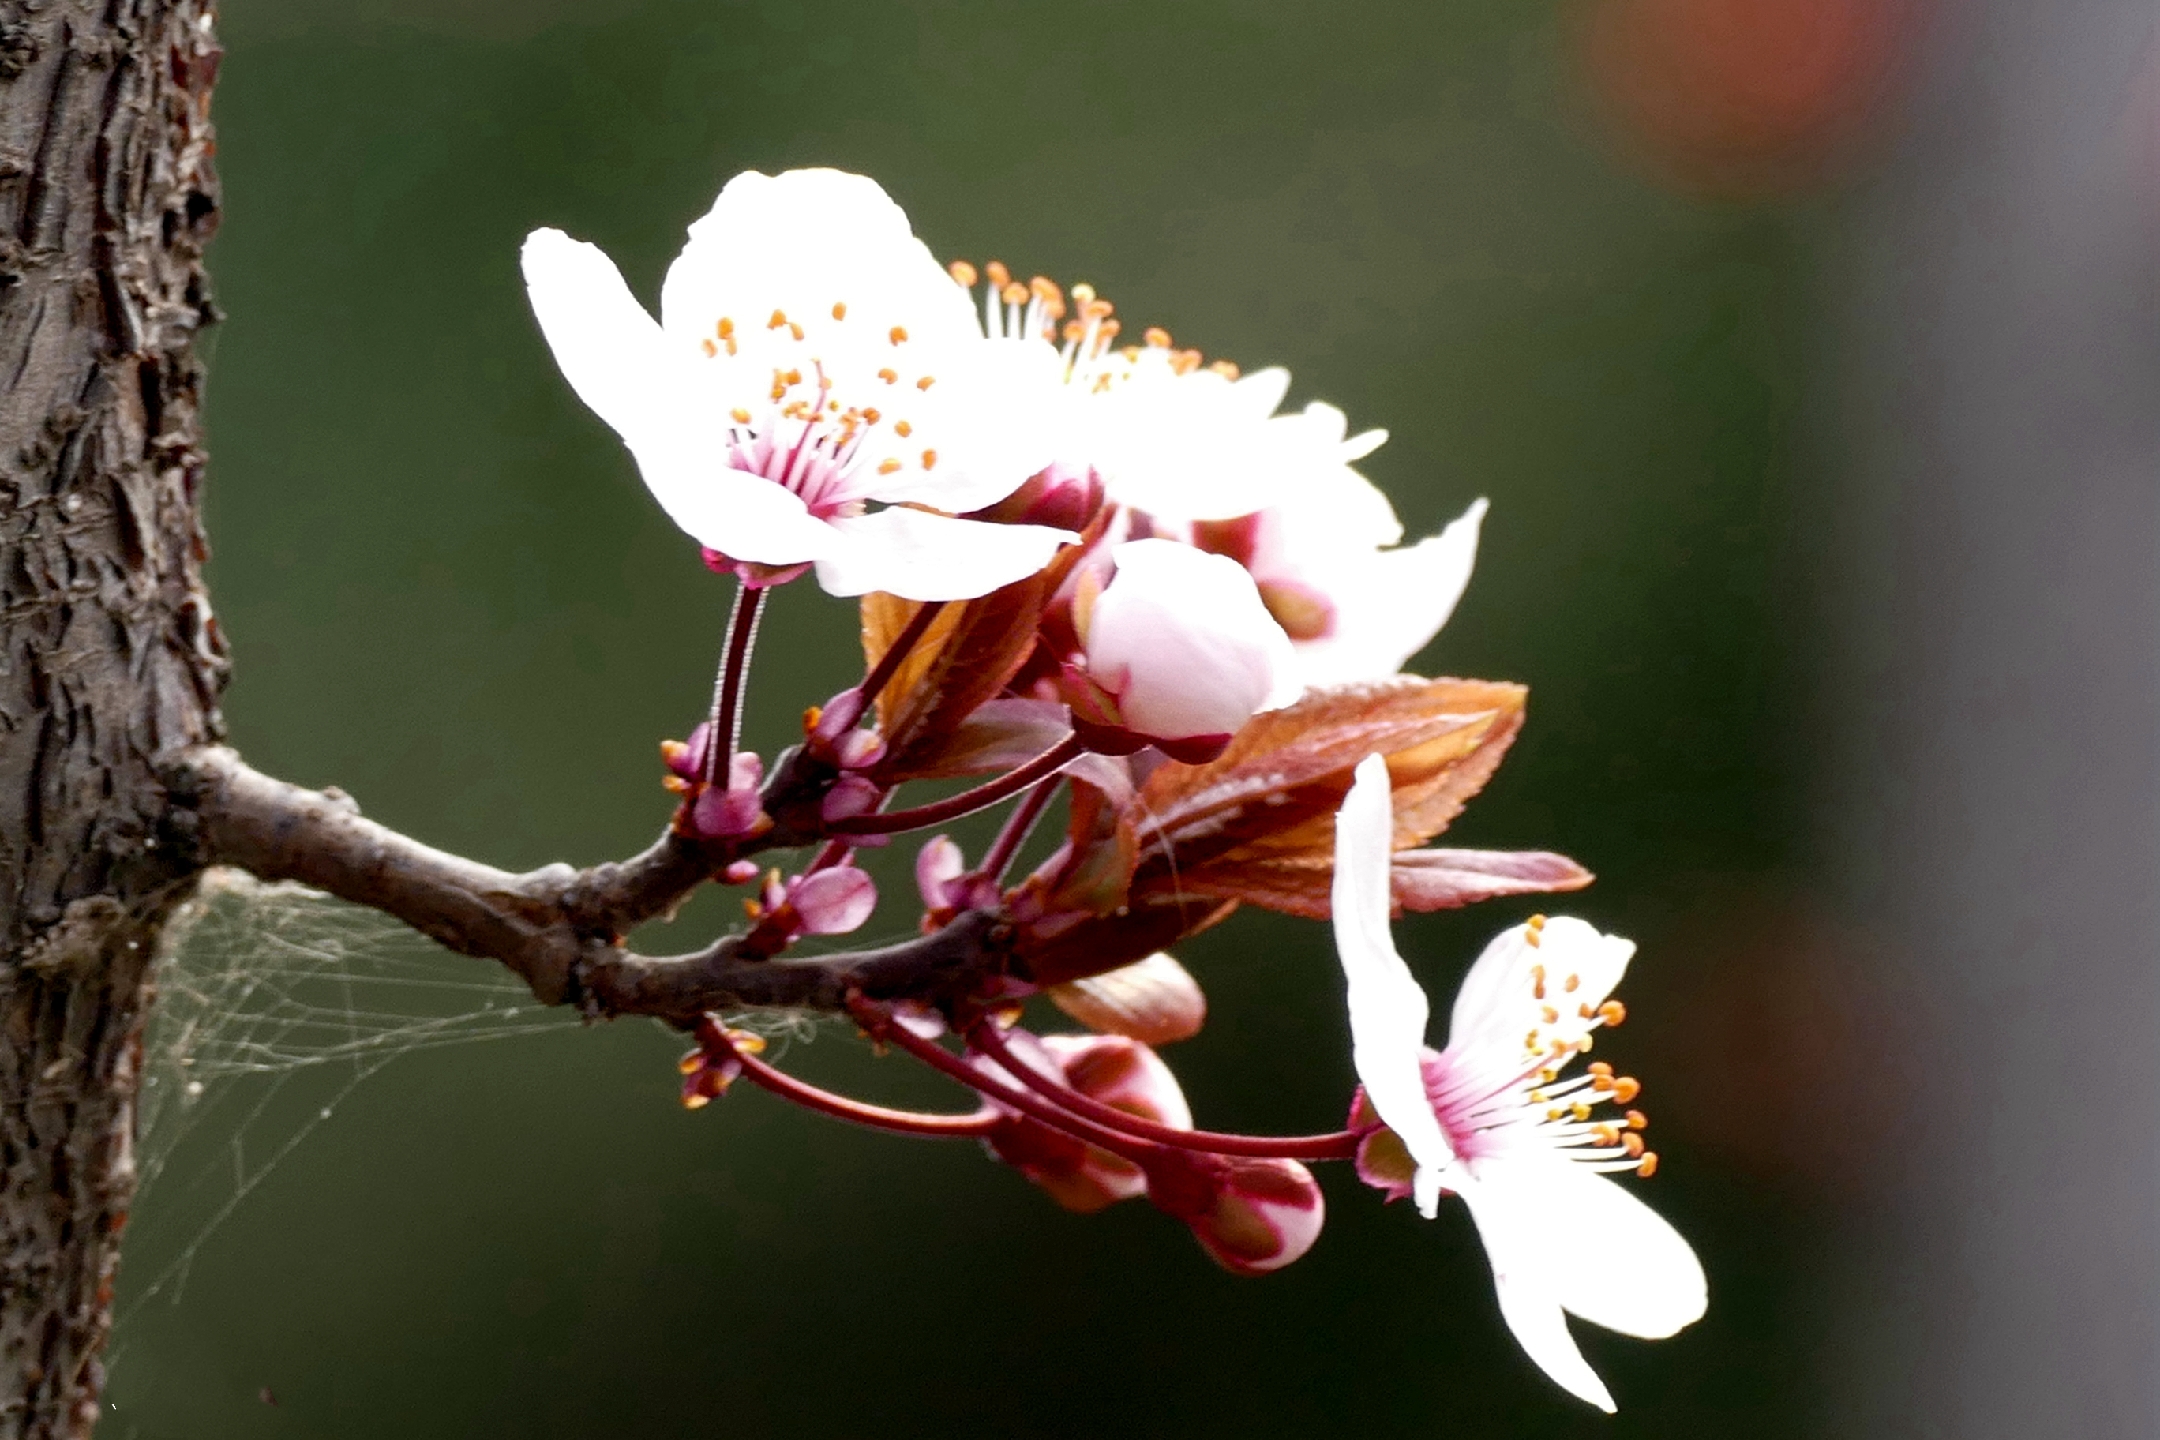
[447, 592]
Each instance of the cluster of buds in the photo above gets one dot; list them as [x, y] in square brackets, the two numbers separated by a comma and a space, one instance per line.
[1113, 586]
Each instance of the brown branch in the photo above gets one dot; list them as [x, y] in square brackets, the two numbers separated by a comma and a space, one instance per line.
[559, 929]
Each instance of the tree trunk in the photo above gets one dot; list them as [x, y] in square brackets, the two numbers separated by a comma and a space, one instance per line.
[108, 655]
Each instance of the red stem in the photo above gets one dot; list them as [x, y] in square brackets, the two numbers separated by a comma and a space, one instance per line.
[876, 1117]
[743, 619]
[1015, 830]
[967, 802]
[888, 663]
[882, 1026]
[1337, 1145]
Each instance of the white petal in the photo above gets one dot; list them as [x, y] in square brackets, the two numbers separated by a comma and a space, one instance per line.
[1388, 604]
[744, 517]
[1183, 638]
[1388, 1009]
[920, 556]
[1498, 1003]
[609, 349]
[1528, 1300]
[992, 418]
[801, 242]
[1606, 1256]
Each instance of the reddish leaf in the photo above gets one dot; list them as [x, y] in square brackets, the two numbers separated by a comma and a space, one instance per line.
[1421, 880]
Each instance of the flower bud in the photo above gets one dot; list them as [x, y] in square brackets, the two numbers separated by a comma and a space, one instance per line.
[1181, 644]
[1251, 1215]
[1108, 1068]
[832, 902]
[851, 795]
[1064, 497]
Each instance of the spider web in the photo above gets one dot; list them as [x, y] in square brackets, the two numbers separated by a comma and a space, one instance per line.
[275, 1003]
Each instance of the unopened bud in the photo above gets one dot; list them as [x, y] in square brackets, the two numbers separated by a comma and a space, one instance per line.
[833, 902]
[851, 795]
[1182, 641]
[1251, 1215]
[1106, 1068]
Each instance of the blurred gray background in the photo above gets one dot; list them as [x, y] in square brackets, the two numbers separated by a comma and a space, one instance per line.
[1810, 356]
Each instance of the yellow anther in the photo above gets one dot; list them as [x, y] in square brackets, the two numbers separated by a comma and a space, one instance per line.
[1625, 1088]
[1603, 1084]
[1539, 1097]
[753, 909]
[887, 466]
[898, 334]
[929, 459]
[1552, 1016]
[999, 275]
[1599, 1067]
[1648, 1167]
[695, 1100]
[1572, 982]
[794, 377]
[926, 382]
[872, 414]
[1083, 294]
[1537, 982]
[740, 415]
[1074, 330]
[1606, 1134]
[709, 348]
[1530, 1041]
[1013, 294]
[779, 318]
[691, 1063]
[902, 429]
[1184, 362]
[1225, 368]
[1632, 1143]
[746, 1042]
[1579, 1110]
[1636, 1120]
[1585, 1011]
[888, 375]
[794, 330]
[963, 273]
[1532, 936]
[839, 309]
[1612, 1012]
[1156, 336]
[725, 328]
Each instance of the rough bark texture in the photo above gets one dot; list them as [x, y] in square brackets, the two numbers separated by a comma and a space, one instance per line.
[108, 655]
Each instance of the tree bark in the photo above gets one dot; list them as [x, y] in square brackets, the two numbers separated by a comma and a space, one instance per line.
[108, 653]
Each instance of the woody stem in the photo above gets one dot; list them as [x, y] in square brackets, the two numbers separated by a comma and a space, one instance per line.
[967, 802]
[1336, 1145]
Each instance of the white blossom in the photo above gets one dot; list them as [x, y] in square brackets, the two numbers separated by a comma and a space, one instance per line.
[811, 359]
[1491, 1119]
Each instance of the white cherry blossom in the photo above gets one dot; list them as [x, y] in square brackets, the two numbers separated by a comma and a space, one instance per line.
[811, 359]
[1202, 453]
[1491, 1118]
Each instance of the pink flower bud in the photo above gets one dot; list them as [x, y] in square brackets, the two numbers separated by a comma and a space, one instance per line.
[851, 795]
[1064, 497]
[937, 865]
[1109, 1068]
[837, 716]
[833, 902]
[1251, 1215]
[740, 872]
[724, 814]
[1181, 640]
